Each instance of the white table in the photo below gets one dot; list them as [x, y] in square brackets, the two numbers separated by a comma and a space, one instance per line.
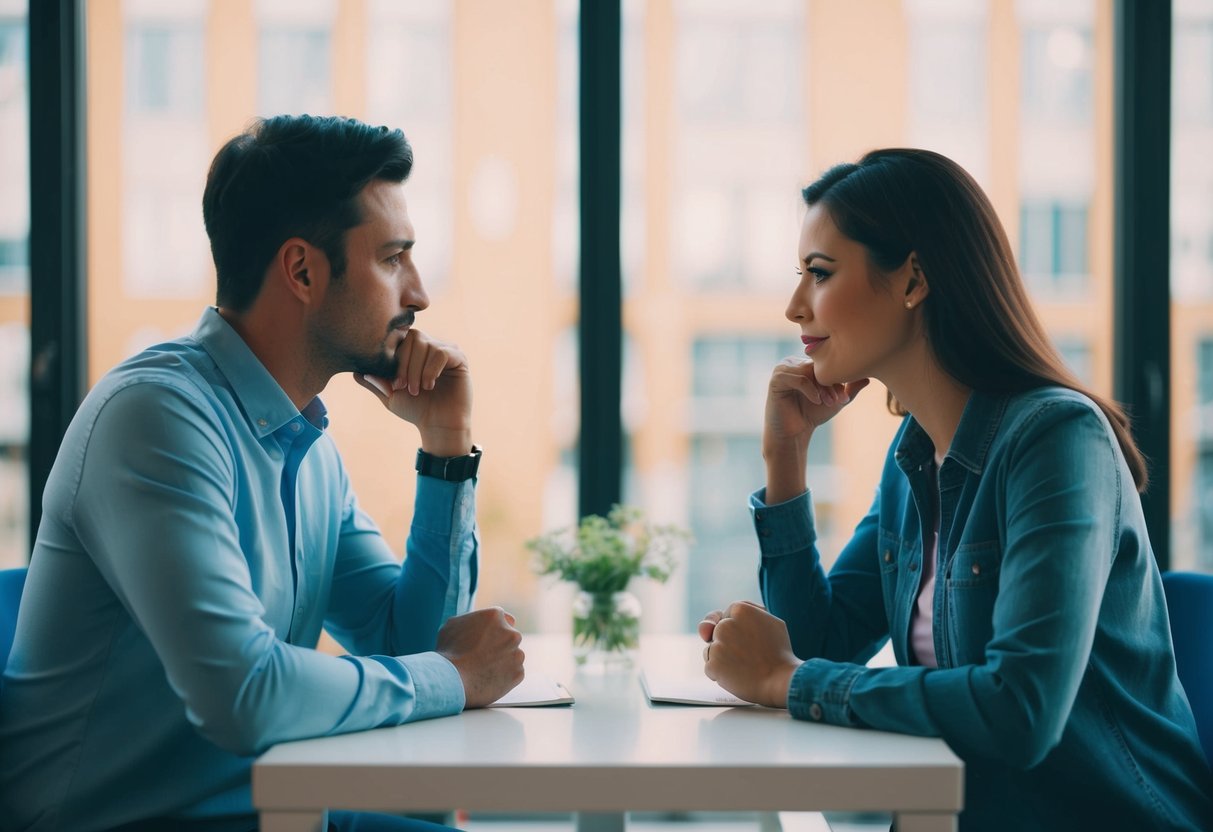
[608, 754]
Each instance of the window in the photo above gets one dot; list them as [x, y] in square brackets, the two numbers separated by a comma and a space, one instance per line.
[1192, 98]
[739, 92]
[1053, 247]
[14, 286]
[294, 56]
[164, 74]
[1056, 76]
[728, 391]
[946, 83]
[14, 158]
[410, 83]
[1192, 287]
[1076, 352]
[165, 251]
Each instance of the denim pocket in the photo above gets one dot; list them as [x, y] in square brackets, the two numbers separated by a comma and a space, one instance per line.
[972, 587]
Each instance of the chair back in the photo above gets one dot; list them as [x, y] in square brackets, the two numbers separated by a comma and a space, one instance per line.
[12, 581]
[1190, 605]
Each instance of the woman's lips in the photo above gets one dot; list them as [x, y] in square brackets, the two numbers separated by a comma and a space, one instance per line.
[811, 343]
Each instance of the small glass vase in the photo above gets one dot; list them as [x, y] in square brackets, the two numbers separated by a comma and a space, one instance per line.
[606, 629]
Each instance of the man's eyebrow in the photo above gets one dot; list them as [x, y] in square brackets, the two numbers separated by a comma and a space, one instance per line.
[393, 245]
[813, 255]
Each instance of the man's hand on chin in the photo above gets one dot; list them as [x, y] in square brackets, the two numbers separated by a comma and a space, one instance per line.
[432, 390]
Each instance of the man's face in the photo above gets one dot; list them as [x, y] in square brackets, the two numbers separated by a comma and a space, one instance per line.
[366, 313]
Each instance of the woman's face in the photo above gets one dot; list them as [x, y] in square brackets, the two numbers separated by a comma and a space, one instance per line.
[853, 321]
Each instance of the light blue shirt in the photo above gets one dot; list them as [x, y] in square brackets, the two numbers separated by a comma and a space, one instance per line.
[1056, 682]
[198, 532]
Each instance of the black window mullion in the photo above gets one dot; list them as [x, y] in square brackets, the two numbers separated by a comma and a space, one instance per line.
[1142, 241]
[56, 158]
[600, 334]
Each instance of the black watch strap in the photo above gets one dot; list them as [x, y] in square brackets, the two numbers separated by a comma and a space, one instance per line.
[449, 468]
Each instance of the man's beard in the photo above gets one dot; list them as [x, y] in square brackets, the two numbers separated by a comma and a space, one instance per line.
[383, 364]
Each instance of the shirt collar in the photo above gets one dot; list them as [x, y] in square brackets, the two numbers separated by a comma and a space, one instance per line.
[979, 424]
[264, 403]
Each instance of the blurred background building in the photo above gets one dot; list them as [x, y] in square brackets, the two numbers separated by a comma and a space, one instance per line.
[729, 108]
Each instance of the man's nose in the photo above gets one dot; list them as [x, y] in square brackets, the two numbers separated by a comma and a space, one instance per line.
[414, 295]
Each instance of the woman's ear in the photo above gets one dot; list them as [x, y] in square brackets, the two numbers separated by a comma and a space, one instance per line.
[917, 287]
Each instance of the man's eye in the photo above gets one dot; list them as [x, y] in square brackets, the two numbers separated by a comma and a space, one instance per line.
[394, 260]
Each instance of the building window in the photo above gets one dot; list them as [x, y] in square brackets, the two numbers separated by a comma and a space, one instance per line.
[14, 161]
[1053, 246]
[410, 85]
[14, 266]
[1076, 353]
[1193, 71]
[294, 56]
[740, 133]
[1057, 74]
[165, 152]
[729, 383]
[165, 70]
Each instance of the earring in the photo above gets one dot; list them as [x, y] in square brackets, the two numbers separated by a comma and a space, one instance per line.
[909, 305]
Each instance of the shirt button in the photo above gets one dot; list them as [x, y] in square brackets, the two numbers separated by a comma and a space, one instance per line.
[758, 515]
[888, 556]
[815, 712]
[764, 532]
[295, 427]
[976, 569]
[914, 566]
[262, 423]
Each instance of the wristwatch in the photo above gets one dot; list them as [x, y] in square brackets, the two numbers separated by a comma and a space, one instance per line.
[449, 468]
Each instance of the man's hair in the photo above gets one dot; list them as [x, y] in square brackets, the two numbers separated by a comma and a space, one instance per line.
[291, 176]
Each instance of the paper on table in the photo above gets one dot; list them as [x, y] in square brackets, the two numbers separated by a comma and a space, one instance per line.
[687, 690]
[535, 690]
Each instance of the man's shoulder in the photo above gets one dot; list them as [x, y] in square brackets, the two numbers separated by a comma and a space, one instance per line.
[167, 376]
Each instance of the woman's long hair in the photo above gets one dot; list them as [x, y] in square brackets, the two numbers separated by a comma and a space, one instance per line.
[978, 318]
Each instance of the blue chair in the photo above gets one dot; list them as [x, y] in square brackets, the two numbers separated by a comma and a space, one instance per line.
[1190, 604]
[12, 581]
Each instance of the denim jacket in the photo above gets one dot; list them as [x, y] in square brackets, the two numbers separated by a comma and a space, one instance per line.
[1056, 682]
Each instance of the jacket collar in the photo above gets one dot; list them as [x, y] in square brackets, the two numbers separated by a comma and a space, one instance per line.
[978, 426]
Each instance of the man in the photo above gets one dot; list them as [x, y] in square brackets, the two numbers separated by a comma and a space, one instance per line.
[199, 528]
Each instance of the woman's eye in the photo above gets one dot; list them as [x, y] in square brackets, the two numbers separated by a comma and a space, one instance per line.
[818, 273]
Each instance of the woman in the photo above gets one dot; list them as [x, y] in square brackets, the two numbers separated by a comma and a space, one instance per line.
[1005, 555]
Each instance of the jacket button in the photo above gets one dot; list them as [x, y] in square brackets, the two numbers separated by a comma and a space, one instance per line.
[815, 712]
[977, 569]
[888, 556]
[914, 566]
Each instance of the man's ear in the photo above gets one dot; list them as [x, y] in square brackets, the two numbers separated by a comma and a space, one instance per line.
[917, 287]
[300, 266]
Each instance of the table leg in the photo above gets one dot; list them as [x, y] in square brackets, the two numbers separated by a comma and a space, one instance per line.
[924, 822]
[600, 821]
[294, 821]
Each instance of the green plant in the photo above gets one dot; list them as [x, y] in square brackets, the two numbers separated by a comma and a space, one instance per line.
[604, 553]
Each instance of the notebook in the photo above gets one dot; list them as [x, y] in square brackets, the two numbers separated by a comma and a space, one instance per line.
[687, 690]
[535, 690]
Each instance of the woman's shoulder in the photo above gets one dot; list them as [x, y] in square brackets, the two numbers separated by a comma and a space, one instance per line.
[1044, 409]
[1062, 400]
